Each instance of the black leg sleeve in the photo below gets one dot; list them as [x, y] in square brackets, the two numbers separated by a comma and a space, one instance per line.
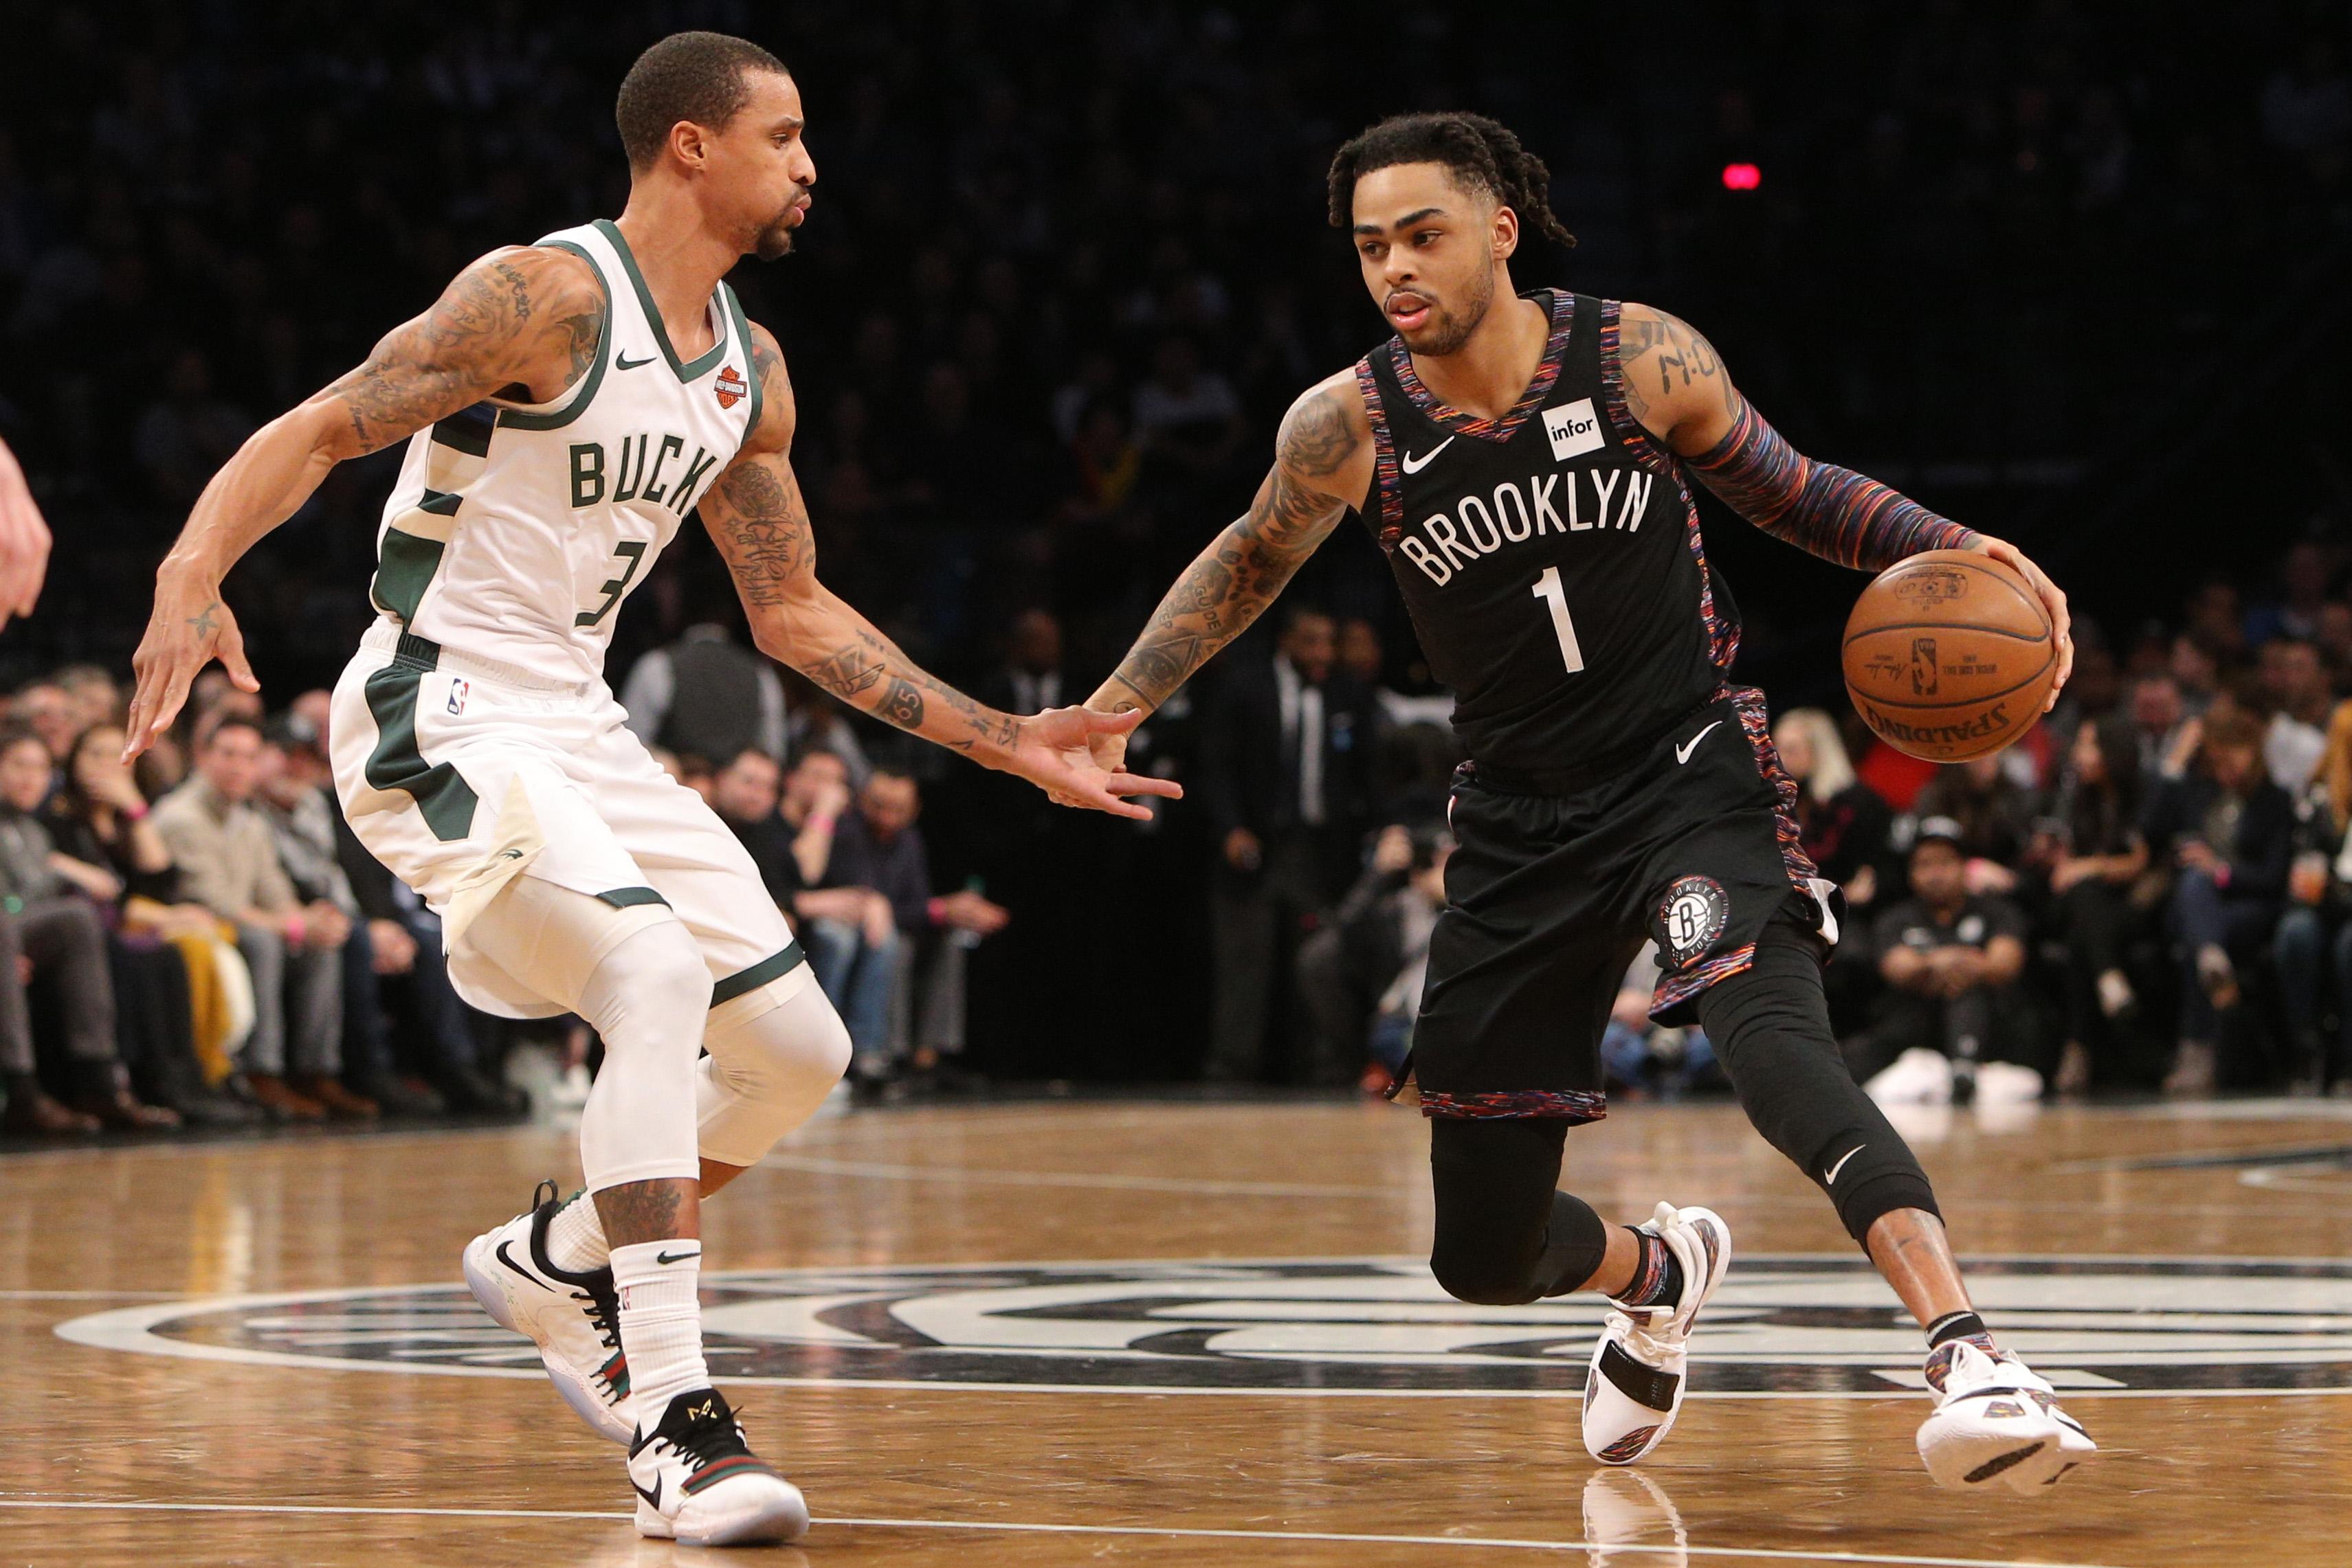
[1770, 1029]
[1505, 1236]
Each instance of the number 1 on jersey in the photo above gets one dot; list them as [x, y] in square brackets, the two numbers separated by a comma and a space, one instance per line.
[1548, 590]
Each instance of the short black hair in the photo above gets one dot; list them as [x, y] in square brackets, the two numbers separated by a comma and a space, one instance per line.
[1481, 153]
[694, 76]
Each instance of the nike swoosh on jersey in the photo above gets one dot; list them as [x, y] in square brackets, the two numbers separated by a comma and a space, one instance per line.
[1683, 752]
[1830, 1180]
[1415, 465]
[623, 362]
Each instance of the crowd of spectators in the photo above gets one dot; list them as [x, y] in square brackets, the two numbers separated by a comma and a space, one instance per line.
[1067, 266]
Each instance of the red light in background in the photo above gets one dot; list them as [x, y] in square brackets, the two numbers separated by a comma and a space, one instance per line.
[1741, 176]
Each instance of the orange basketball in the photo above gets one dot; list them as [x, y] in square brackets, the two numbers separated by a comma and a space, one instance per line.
[1949, 655]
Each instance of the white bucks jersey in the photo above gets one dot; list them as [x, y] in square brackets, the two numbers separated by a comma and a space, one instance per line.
[517, 529]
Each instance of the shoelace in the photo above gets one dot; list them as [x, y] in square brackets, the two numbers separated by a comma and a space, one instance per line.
[707, 1441]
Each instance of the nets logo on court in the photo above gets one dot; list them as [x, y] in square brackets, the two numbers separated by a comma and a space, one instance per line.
[1819, 1325]
[1692, 917]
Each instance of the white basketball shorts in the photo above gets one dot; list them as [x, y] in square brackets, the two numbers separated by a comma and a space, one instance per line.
[459, 773]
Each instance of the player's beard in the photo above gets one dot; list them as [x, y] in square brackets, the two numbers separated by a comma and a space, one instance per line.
[776, 239]
[1448, 329]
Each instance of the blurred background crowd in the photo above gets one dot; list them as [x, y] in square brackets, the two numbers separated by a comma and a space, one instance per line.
[2073, 271]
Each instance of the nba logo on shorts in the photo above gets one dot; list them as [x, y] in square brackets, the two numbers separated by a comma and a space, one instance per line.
[1573, 428]
[1692, 917]
[458, 690]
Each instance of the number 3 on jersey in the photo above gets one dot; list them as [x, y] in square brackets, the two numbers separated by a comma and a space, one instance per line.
[1548, 590]
[633, 552]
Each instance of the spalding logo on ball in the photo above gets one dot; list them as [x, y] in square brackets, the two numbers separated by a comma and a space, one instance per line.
[1949, 655]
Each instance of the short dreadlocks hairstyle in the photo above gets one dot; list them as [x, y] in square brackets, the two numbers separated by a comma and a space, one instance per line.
[694, 76]
[1482, 155]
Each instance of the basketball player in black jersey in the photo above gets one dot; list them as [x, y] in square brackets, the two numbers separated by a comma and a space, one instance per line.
[1526, 462]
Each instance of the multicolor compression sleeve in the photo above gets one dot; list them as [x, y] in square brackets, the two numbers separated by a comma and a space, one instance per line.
[1821, 508]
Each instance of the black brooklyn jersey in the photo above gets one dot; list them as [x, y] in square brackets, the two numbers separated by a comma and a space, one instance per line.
[1551, 558]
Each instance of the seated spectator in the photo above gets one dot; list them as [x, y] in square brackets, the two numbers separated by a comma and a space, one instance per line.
[1995, 813]
[706, 694]
[2162, 728]
[1360, 975]
[849, 932]
[2098, 857]
[1840, 821]
[47, 709]
[2295, 681]
[2228, 832]
[295, 799]
[51, 931]
[228, 863]
[1951, 1021]
[1645, 1059]
[98, 816]
[879, 847]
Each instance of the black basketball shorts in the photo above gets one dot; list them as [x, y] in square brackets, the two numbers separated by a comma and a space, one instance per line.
[1551, 896]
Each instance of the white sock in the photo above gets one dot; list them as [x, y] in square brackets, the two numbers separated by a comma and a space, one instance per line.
[575, 1236]
[661, 1322]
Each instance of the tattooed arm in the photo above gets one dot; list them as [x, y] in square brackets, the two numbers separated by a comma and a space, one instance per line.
[521, 318]
[1677, 388]
[1322, 465]
[757, 517]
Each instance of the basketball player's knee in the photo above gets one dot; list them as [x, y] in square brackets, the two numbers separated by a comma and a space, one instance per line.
[1483, 1272]
[653, 987]
[1770, 1026]
[771, 1067]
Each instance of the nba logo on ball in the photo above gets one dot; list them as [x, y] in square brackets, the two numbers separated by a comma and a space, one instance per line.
[1692, 917]
[1573, 428]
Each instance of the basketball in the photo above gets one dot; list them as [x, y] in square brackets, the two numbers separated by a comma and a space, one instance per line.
[1949, 655]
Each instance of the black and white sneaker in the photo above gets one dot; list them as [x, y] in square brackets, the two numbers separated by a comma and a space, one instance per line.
[699, 1482]
[575, 1319]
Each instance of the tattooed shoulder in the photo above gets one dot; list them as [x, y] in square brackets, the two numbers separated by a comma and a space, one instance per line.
[1665, 361]
[571, 307]
[1324, 429]
[778, 410]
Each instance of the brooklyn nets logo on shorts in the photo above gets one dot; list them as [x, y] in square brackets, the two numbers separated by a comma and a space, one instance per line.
[1808, 1326]
[1692, 917]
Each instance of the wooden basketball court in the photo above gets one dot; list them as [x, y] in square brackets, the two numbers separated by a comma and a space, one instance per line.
[1061, 1333]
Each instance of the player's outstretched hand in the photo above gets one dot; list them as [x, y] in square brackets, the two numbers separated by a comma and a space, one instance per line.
[2053, 600]
[24, 541]
[1056, 753]
[189, 628]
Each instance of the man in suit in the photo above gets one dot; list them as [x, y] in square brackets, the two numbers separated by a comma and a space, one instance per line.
[1287, 780]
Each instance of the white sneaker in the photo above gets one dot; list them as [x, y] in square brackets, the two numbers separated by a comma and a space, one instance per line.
[2007, 1083]
[1995, 1421]
[1635, 1388]
[1918, 1077]
[575, 1319]
[699, 1483]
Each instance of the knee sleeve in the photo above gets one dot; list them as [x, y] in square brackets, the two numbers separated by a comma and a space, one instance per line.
[773, 1062]
[1771, 1030]
[648, 997]
[1505, 1236]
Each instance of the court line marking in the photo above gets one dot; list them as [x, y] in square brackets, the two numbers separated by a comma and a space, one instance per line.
[1018, 1527]
[128, 1330]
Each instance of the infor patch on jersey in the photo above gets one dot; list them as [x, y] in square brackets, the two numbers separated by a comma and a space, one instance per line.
[1692, 916]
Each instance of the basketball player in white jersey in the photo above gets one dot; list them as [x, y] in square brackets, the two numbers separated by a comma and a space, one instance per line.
[567, 404]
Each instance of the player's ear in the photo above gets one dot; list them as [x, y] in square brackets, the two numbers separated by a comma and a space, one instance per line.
[686, 141]
[1506, 233]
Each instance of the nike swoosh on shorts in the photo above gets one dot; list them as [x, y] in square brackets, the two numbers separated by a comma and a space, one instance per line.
[1683, 752]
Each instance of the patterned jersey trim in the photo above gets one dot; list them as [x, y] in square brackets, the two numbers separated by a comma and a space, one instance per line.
[1567, 1104]
[1722, 636]
[1563, 317]
[1388, 480]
